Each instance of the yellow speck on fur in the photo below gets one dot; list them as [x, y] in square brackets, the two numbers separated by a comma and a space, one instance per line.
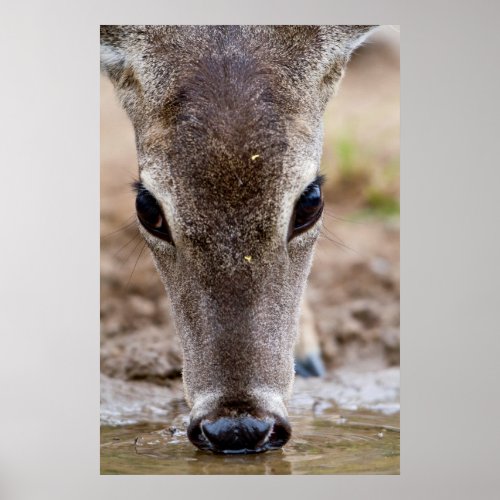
[248, 258]
[254, 157]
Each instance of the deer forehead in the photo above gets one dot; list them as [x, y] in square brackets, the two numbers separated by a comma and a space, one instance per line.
[222, 203]
[226, 152]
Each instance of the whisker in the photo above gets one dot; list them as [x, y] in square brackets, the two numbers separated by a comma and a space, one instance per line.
[342, 219]
[134, 249]
[135, 265]
[326, 237]
[334, 239]
[126, 244]
[122, 228]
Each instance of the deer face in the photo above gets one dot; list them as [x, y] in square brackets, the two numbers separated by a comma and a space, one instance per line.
[228, 131]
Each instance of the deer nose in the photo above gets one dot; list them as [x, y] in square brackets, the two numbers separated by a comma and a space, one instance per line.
[244, 434]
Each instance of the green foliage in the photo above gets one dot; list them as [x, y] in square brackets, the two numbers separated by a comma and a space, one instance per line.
[381, 203]
[364, 180]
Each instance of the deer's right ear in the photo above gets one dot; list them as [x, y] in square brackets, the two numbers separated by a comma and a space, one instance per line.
[113, 54]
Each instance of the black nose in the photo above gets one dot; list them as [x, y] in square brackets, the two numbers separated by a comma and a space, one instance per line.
[239, 435]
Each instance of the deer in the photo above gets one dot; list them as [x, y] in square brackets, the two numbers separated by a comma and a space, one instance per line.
[228, 130]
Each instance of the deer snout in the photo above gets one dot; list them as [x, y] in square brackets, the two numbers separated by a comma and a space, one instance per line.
[237, 435]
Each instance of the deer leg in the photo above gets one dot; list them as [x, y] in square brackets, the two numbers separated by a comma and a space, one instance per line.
[308, 362]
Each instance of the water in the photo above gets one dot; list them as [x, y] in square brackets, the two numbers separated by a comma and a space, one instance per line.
[345, 424]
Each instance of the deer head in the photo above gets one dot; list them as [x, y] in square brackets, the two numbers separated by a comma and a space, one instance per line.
[228, 125]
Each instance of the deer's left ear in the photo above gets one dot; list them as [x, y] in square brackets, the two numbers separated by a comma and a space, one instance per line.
[338, 43]
[347, 37]
[113, 49]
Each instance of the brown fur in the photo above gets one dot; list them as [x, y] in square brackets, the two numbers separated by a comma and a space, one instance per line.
[204, 101]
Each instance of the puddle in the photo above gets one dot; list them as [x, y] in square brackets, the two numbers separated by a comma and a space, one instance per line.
[345, 424]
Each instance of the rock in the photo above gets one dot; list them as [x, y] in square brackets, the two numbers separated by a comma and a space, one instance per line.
[150, 354]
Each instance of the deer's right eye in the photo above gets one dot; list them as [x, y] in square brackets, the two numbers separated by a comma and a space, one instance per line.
[150, 214]
[308, 209]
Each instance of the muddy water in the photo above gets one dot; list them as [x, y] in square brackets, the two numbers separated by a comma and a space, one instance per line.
[345, 424]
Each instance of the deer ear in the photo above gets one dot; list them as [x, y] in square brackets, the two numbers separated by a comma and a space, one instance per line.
[347, 37]
[113, 54]
[339, 42]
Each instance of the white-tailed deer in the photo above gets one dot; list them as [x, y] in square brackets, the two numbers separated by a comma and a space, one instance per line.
[228, 125]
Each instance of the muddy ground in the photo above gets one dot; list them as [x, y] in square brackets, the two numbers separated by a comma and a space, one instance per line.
[354, 284]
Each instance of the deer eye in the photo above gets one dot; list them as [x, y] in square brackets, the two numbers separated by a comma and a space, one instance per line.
[150, 214]
[308, 209]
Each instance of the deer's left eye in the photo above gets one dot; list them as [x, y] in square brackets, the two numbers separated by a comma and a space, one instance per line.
[308, 209]
[150, 214]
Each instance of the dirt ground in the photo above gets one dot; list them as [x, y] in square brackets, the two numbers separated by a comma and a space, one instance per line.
[354, 284]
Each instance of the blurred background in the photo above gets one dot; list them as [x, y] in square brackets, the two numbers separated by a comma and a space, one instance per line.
[354, 283]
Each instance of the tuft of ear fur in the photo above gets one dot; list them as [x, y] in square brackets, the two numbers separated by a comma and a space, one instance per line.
[113, 54]
[347, 37]
[112, 60]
